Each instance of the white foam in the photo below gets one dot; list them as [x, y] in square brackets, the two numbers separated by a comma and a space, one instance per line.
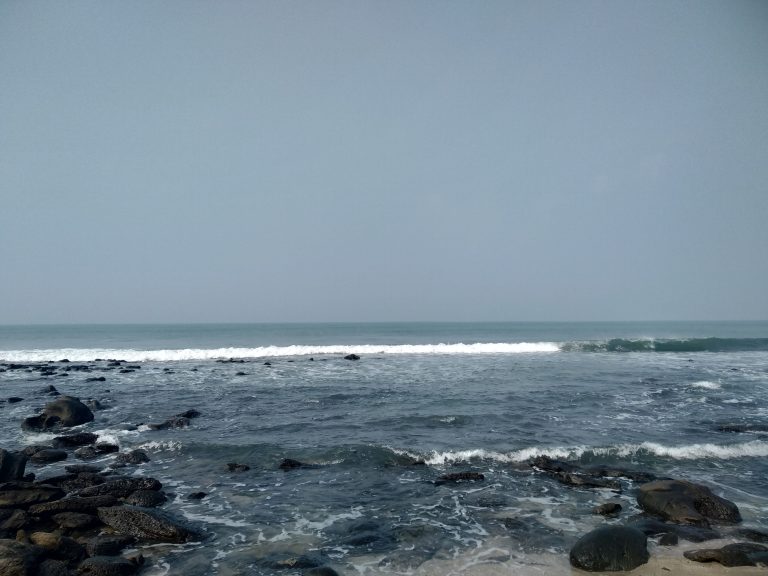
[130, 355]
[707, 385]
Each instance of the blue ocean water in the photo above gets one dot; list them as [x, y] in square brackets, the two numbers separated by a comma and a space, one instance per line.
[483, 397]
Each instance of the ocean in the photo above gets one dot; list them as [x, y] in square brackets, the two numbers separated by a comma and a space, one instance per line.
[684, 400]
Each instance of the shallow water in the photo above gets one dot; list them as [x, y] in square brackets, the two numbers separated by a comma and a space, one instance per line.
[362, 505]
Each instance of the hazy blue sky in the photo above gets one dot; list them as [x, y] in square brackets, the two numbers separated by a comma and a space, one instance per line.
[389, 160]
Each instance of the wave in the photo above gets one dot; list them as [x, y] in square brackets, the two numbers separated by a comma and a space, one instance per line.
[91, 354]
[753, 449]
[669, 345]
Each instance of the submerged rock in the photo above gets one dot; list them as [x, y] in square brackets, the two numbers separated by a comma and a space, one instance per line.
[607, 509]
[653, 527]
[455, 477]
[610, 548]
[741, 554]
[74, 440]
[684, 502]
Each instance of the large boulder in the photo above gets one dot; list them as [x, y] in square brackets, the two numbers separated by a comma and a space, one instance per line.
[65, 411]
[610, 548]
[17, 559]
[12, 465]
[122, 487]
[741, 554]
[24, 494]
[146, 524]
[684, 502]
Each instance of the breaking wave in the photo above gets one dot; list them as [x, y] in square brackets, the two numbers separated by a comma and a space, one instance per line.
[669, 345]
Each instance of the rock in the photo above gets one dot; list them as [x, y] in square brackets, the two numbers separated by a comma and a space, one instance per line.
[14, 400]
[50, 389]
[741, 554]
[197, 495]
[290, 464]
[94, 405]
[19, 559]
[31, 449]
[351, 357]
[86, 453]
[58, 546]
[455, 477]
[75, 520]
[320, 571]
[653, 527]
[122, 487]
[669, 539]
[146, 524]
[573, 475]
[13, 520]
[175, 422]
[73, 504]
[106, 545]
[107, 566]
[25, 494]
[65, 411]
[82, 468]
[106, 448]
[96, 379]
[300, 562]
[753, 535]
[50, 567]
[684, 502]
[48, 455]
[610, 548]
[741, 428]
[235, 467]
[74, 440]
[12, 465]
[146, 498]
[137, 456]
[189, 414]
[607, 509]
[76, 482]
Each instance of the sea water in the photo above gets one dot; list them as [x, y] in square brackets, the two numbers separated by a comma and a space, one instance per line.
[423, 400]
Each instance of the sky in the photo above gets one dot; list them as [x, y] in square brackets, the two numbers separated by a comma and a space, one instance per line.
[309, 161]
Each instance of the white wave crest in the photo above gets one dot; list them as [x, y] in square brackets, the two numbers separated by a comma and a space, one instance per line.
[753, 449]
[707, 385]
[130, 355]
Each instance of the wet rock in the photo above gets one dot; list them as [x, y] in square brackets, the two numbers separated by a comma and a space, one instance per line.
[653, 527]
[189, 414]
[49, 390]
[121, 487]
[753, 535]
[50, 567]
[456, 477]
[146, 498]
[573, 475]
[742, 428]
[351, 357]
[741, 554]
[19, 559]
[290, 464]
[607, 509]
[175, 422]
[58, 546]
[65, 411]
[134, 457]
[146, 524]
[197, 495]
[82, 468]
[26, 494]
[603, 471]
[106, 448]
[12, 465]
[14, 400]
[86, 453]
[669, 539]
[684, 502]
[107, 566]
[106, 545]
[75, 482]
[320, 571]
[235, 467]
[298, 562]
[96, 379]
[48, 455]
[610, 548]
[12, 520]
[32, 448]
[72, 504]
[94, 405]
[75, 440]
[75, 520]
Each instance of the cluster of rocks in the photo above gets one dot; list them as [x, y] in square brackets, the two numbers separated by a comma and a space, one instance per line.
[672, 509]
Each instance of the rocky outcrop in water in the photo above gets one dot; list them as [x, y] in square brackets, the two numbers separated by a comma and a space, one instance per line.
[64, 412]
[684, 502]
[146, 524]
[740, 554]
[610, 548]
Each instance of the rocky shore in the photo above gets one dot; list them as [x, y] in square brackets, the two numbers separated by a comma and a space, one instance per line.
[95, 519]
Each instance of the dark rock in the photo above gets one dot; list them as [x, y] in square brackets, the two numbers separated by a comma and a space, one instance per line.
[65, 411]
[106, 545]
[289, 464]
[741, 554]
[320, 571]
[96, 379]
[669, 539]
[607, 509]
[684, 502]
[603, 471]
[189, 414]
[573, 475]
[25, 494]
[137, 456]
[122, 487]
[175, 422]
[32, 448]
[106, 448]
[300, 562]
[48, 455]
[86, 453]
[75, 482]
[74, 440]
[12, 520]
[50, 567]
[72, 504]
[14, 399]
[107, 566]
[75, 520]
[753, 535]
[610, 548]
[146, 498]
[456, 477]
[146, 524]
[94, 405]
[58, 546]
[19, 559]
[50, 389]
[235, 467]
[12, 465]
[197, 495]
[82, 468]
[653, 527]
[741, 428]
[351, 357]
